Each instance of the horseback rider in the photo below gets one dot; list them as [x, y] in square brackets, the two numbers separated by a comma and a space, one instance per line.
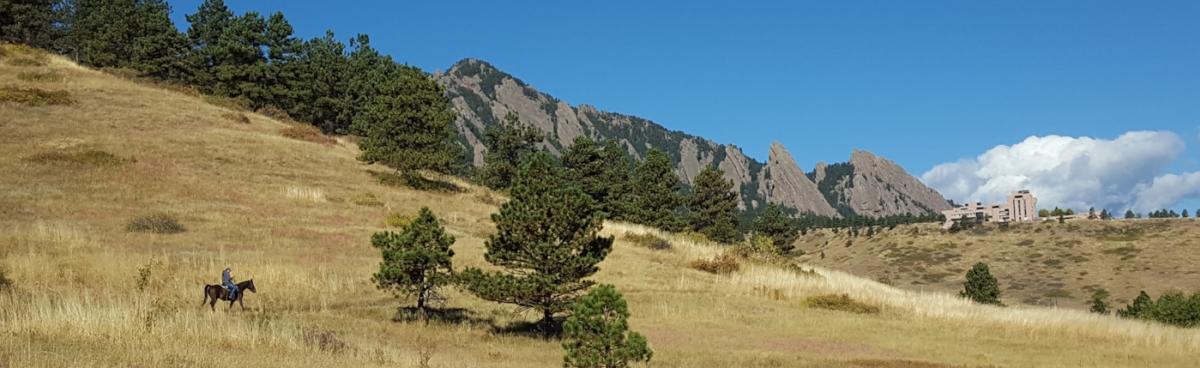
[227, 282]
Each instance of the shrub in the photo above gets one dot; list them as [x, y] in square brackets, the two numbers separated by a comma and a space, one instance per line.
[1099, 302]
[366, 199]
[597, 333]
[723, 264]
[980, 286]
[35, 96]
[6, 284]
[397, 220]
[49, 76]
[159, 223]
[324, 340]
[94, 158]
[648, 241]
[238, 117]
[795, 268]
[27, 61]
[840, 302]
[307, 133]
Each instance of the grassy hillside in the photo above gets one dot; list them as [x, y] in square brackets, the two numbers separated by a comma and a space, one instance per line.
[296, 215]
[1049, 264]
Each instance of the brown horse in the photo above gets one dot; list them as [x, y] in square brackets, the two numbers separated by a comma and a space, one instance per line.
[212, 293]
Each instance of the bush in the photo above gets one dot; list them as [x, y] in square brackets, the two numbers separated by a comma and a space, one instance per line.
[597, 333]
[980, 286]
[723, 264]
[94, 158]
[159, 223]
[840, 302]
[647, 241]
[35, 96]
[240, 118]
[324, 340]
[366, 199]
[50, 76]
[307, 133]
[26, 61]
[397, 220]
[6, 284]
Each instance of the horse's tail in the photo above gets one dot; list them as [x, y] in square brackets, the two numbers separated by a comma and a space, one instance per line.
[202, 302]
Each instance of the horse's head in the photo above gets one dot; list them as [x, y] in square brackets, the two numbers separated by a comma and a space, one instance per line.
[250, 286]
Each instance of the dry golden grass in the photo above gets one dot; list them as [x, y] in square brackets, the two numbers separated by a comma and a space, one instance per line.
[1048, 264]
[76, 271]
[306, 133]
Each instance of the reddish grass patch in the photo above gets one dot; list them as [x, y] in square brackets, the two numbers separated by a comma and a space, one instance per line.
[307, 133]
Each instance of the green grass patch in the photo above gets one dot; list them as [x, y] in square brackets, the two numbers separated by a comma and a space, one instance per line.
[93, 158]
[366, 199]
[722, 265]
[840, 302]
[35, 96]
[647, 241]
[159, 223]
[46, 77]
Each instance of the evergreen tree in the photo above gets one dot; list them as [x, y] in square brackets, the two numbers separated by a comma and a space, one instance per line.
[1141, 304]
[980, 286]
[775, 223]
[1184, 214]
[416, 260]
[547, 240]
[597, 335]
[1099, 302]
[713, 207]
[283, 51]
[654, 197]
[508, 143]
[29, 22]
[617, 170]
[1129, 214]
[207, 27]
[415, 126]
[584, 165]
[320, 92]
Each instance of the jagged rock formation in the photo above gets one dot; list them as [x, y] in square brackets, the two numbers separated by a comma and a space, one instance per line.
[784, 183]
[870, 185]
[482, 95]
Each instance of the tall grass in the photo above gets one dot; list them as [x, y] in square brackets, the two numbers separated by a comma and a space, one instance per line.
[1063, 323]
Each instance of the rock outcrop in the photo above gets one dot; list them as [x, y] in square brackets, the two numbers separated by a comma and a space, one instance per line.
[482, 95]
[787, 185]
[870, 185]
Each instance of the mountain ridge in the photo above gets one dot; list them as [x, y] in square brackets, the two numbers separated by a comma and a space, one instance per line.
[481, 93]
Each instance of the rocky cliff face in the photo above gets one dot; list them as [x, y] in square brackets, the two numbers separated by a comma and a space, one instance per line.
[784, 183]
[482, 95]
[870, 185]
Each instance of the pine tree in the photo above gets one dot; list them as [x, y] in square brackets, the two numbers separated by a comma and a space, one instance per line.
[416, 260]
[1184, 214]
[30, 22]
[584, 165]
[415, 127]
[321, 87]
[775, 223]
[508, 143]
[980, 286]
[618, 168]
[654, 197]
[1099, 302]
[713, 207]
[547, 240]
[1129, 214]
[597, 335]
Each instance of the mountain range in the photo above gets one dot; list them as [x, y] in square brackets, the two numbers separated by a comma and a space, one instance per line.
[866, 185]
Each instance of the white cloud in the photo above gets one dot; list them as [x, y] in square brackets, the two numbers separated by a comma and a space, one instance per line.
[1073, 172]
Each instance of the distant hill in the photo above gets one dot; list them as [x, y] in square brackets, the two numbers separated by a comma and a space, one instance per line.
[483, 94]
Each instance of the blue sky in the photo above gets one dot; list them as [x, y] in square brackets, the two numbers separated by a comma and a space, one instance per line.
[920, 82]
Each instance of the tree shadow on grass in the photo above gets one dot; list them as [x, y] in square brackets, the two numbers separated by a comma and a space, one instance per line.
[415, 181]
[453, 316]
[531, 329]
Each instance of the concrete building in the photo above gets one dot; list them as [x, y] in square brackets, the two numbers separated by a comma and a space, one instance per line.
[1020, 207]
